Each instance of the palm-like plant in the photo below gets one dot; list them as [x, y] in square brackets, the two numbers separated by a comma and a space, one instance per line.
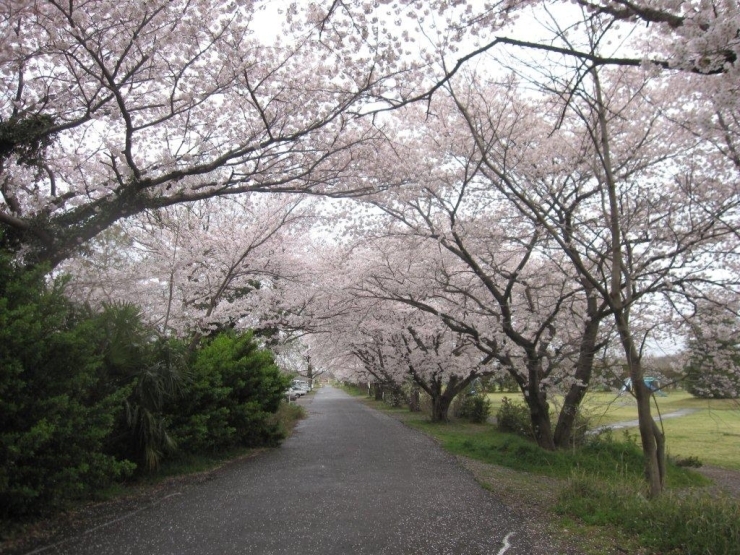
[153, 368]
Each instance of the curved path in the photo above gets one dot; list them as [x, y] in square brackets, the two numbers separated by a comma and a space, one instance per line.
[349, 481]
[636, 423]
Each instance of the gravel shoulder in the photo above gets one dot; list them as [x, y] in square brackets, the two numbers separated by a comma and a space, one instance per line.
[532, 497]
[726, 481]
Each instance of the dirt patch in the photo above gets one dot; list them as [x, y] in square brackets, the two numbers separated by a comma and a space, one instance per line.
[726, 482]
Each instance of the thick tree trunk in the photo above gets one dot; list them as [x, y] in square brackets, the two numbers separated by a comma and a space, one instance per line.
[378, 392]
[442, 400]
[440, 409]
[540, 417]
[442, 396]
[539, 410]
[564, 430]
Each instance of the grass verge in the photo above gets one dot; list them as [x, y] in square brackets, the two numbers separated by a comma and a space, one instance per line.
[679, 522]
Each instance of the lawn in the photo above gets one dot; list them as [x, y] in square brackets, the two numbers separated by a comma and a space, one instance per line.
[711, 432]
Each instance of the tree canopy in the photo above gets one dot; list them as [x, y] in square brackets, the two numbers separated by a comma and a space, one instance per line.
[526, 184]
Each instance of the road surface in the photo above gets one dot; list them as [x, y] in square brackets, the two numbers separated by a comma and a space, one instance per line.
[349, 481]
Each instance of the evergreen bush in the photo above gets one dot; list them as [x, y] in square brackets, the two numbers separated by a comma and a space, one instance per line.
[514, 418]
[152, 368]
[475, 408]
[55, 410]
[229, 400]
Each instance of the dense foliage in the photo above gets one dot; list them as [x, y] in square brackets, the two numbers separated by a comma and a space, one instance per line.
[475, 407]
[55, 410]
[513, 418]
[88, 398]
[233, 390]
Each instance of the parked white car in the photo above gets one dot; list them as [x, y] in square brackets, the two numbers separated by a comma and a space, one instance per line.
[301, 385]
[293, 393]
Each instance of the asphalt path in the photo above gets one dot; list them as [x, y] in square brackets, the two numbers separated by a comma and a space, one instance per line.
[350, 480]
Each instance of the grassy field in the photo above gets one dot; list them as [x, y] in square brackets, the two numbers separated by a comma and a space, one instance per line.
[711, 432]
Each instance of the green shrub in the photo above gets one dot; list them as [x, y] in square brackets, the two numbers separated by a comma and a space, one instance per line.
[690, 462]
[152, 369]
[395, 396]
[233, 391]
[475, 408]
[56, 411]
[514, 418]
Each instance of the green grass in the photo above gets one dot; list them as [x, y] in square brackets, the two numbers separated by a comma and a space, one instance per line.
[676, 523]
[712, 433]
[353, 390]
[606, 457]
[288, 415]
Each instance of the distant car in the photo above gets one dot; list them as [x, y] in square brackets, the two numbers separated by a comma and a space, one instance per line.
[293, 393]
[302, 386]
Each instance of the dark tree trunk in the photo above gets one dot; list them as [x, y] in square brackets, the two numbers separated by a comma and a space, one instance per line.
[440, 408]
[415, 399]
[441, 401]
[584, 367]
[539, 410]
[540, 418]
[378, 391]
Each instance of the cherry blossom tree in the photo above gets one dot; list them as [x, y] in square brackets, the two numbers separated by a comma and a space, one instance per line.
[223, 262]
[617, 163]
[395, 345]
[712, 358]
[699, 36]
[620, 189]
[112, 108]
[453, 247]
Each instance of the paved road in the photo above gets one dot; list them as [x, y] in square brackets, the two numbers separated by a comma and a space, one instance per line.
[350, 480]
[636, 423]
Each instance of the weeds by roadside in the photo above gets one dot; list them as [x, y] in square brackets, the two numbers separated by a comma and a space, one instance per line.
[679, 522]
